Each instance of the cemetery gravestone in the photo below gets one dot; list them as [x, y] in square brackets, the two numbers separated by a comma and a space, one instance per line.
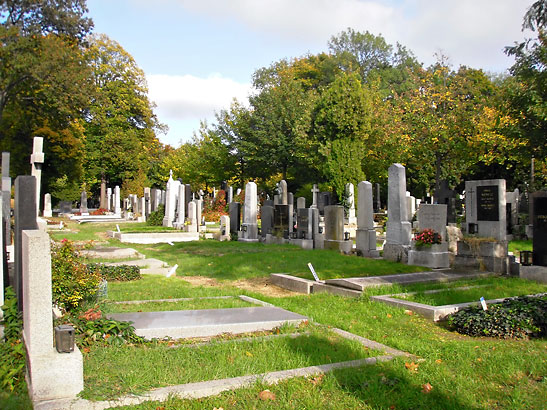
[304, 223]
[36, 161]
[281, 221]
[377, 202]
[315, 192]
[485, 206]
[6, 201]
[300, 202]
[350, 202]
[47, 206]
[366, 234]
[234, 210]
[398, 230]
[283, 192]
[539, 222]
[224, 228]
[435, 256]
[267, 220]
[83, 203]
[181, 207]
[117, 204]
[334, 229]
[25, 219]
[103, 197]
[446, 196]
[249, 227]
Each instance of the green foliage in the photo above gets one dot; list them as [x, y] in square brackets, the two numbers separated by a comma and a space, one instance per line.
[94, 329]
[521, 317]
[13, 320]
[72, 282]
[156, 218]
[120, 273]
[214, 208]
[63, 189]
[12, 366]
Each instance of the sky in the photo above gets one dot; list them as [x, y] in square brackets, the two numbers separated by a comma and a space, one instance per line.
[198, 55]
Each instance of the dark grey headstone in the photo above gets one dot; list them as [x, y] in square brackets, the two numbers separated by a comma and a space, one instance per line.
[267, 220]
[187, 195]
[25, 219]
[487, 203]
[268, 202]
[377, 200]
[65, 207]
[235, 216]
[324, 199]
[281, 220]
[539, 221]
[446, 196]
[304, 220]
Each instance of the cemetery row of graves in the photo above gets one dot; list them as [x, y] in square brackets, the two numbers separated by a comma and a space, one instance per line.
[107, 347]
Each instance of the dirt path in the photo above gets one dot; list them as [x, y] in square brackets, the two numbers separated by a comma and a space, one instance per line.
[260, 285]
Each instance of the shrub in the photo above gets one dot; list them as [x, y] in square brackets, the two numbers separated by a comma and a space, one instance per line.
[520, 317]
[72, 282]
[92, 328]
[12, 365]
[156, 218]
[214, 208]
[122, 273]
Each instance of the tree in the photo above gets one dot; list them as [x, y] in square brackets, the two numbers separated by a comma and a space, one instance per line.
[528, 92]
[120, 123]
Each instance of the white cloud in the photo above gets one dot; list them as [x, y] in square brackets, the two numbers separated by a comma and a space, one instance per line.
[189, 99]
[471, 32]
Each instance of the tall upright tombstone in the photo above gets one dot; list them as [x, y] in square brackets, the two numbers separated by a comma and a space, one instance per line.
[267, 220]
[50, 375]
[4, 279]
[539, 222]
[249, 227]
[399, 229]
[6, 197]
[300, 202]
[25, 219]
[147, 202]
[192, 225]
[314, 192]
[48, 212]
[171, 194]
[283, 192]
[230, 194]
[485, 208]
[365, 241]
[103, 200]
[350, 202]
[109, 199]
[378, 201]
[83, 203]
[181, 207]
[36, 161]
[334, 229]
[117, 204]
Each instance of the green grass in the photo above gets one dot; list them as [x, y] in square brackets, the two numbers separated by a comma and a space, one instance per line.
[109, 372]
[517, 246]
[142, 227]
[193, 304]
[501, 288]
[158, 287]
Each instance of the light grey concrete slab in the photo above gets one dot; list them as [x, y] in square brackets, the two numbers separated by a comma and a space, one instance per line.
[156, 237]
[319, 287]
[208, 322]
[112, 253]
[293, 283]
[404, 278]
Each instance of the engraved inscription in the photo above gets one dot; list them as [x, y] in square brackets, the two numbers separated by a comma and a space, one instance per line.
[488, 203]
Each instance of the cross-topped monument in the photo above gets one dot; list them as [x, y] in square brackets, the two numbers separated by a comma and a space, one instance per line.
[36, 161]
[315, 192]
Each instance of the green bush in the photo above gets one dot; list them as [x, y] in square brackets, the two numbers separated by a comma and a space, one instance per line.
[122, 273]
[520, 317]
[92, 328]
[72, 282]
[156, 218]
[12, 365]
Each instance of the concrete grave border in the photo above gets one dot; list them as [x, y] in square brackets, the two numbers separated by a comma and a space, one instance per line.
[209, 388]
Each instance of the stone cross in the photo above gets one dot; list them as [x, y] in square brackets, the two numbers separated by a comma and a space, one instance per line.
[315, 192]
[36, 161]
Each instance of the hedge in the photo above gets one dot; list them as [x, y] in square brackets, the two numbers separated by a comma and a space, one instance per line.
[122, 273]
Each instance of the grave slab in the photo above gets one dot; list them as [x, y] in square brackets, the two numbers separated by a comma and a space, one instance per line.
[293, 283]
[142, 263]
[404, 278]
[208, 322]
[112, 253]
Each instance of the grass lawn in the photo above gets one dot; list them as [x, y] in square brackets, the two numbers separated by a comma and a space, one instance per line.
[113, 371]
[517, 246]
[492, 288]
[463, 372]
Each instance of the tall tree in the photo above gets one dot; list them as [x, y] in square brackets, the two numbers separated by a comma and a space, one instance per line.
[528, 92]
[120, 123]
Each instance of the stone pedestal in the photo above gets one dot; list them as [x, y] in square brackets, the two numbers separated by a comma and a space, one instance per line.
[396, 252]
[50, 375]
[434, 256]
[489, 256]
[366, 243]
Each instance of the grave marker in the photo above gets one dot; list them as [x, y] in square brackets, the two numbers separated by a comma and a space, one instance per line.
[539, 241]
[6, 201]
[398, 230]
[485, 206]
[36, 161]
[365, 240]
[48, 213]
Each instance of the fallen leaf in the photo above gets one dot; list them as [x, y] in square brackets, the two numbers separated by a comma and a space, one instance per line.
[479, 359]
[426, 388]
[409, 312]
[160, 408]
[389, 315]
[86, 349]
[438, 361]
[317, 380]
[413, 367]
[249, 354]
[266, 395]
